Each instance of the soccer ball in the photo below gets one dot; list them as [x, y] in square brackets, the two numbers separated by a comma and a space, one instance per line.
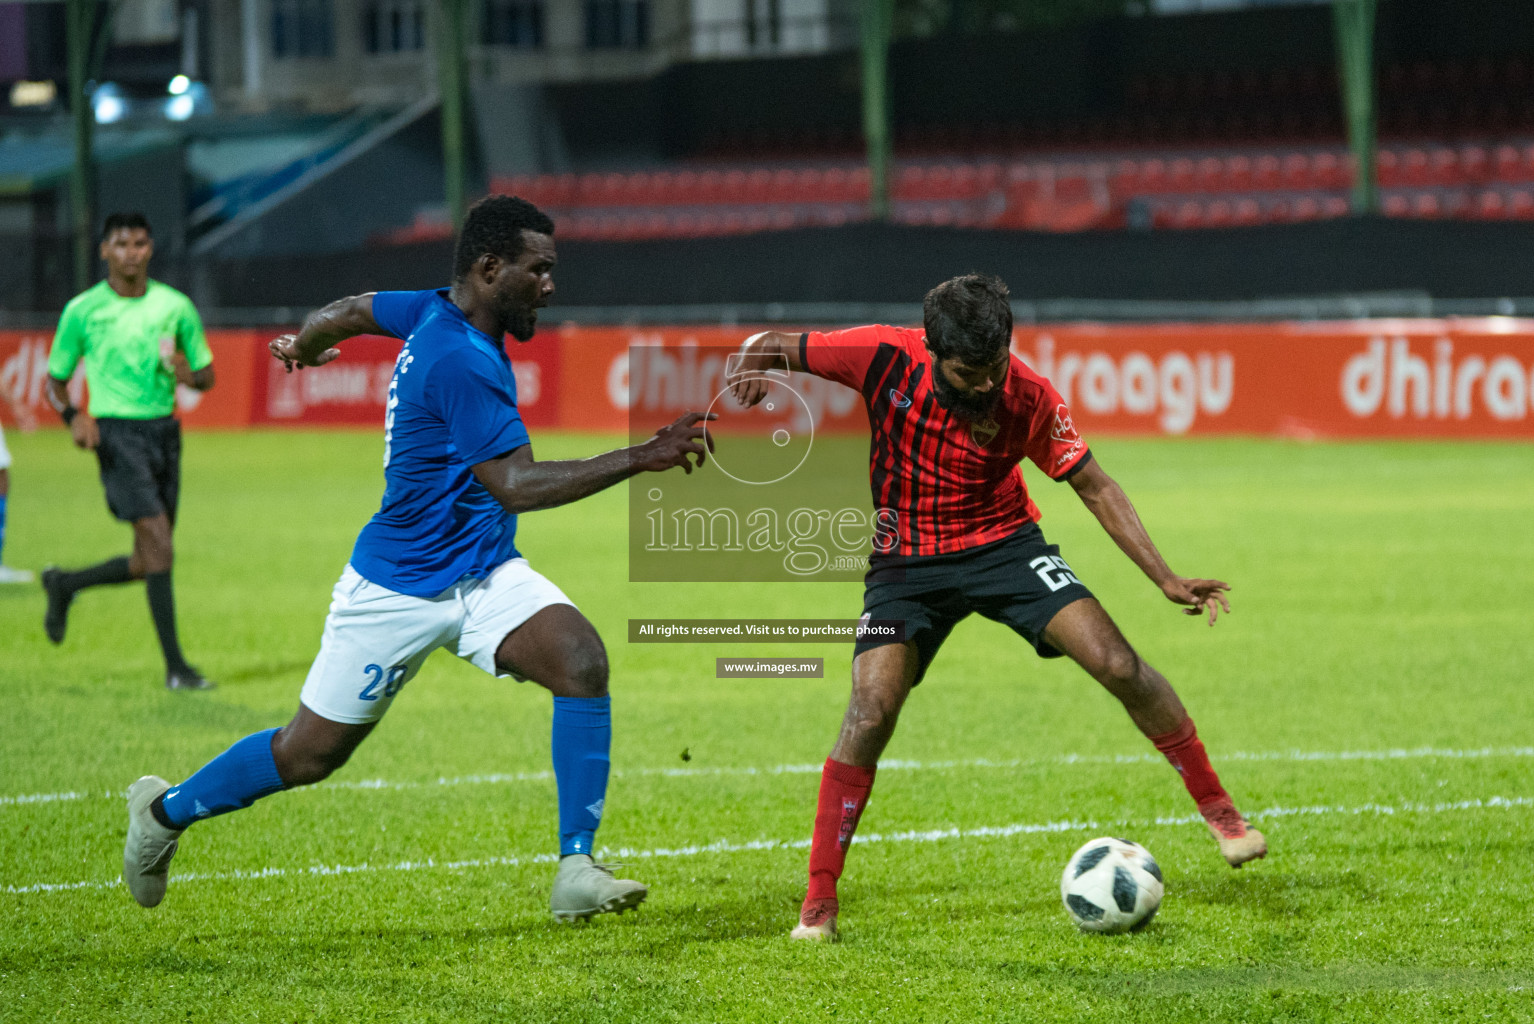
[1111, 886]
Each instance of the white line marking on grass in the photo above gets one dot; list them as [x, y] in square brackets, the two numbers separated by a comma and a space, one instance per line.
[47, 798]
[892, 764]
[757, 845]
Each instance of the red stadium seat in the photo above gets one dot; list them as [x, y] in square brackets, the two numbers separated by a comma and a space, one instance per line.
[1210, 175]
[1219, 213]
[1296, 171]
[1414, 167]
[758, 186]
[784, 186]
[1387, 168]
[1125, 178]
[1267, 172]
[1443, 167]
[966, 181]
[1247, 211]
[809, 185]
[1520, 204]
[1474, 163]
[1238, 173]
[1395, 205]
[1326, 171]
[1426, 204]
[1508, 164]
[1183, 175]
[1490, 205]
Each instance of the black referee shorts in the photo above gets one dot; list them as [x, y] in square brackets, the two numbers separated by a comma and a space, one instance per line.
[1020, 581]
[140, 466]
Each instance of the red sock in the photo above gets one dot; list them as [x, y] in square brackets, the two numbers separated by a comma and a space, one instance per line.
[1185, 751]
[843, 795]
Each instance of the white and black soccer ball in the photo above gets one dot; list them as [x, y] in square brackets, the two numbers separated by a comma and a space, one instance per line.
[1111, 886]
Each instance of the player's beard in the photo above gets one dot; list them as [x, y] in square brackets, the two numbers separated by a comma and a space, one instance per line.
[520, 319]
[972, 406]
[522, 322]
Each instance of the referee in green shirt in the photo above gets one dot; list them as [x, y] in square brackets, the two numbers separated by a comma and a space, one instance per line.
[139, 338]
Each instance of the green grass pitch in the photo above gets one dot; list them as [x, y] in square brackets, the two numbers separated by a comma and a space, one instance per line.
[1366, 702]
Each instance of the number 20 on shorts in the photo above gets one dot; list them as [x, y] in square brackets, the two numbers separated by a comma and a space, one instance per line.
[391, 682]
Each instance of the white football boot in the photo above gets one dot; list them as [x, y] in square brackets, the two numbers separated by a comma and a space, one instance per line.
[584, 888]
[150, 845]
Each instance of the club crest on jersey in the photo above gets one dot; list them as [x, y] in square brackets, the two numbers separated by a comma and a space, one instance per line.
[984, 431]
[1065, 428]
[900, 401]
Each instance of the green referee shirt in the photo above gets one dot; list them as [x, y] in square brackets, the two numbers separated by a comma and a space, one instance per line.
[127, 345]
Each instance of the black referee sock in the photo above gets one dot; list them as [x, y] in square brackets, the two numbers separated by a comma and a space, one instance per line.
[162, 608]
[114, 570]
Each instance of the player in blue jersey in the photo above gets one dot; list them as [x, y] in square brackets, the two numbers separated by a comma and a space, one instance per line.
[438, 566]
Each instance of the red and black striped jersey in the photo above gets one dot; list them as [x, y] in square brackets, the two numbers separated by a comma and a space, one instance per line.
[949, 483]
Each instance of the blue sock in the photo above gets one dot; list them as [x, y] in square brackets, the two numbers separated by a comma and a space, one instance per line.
[3, 499]
[234, 779]
[582, 736]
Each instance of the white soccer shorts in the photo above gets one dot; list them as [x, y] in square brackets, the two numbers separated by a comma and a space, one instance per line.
[376, 639]
[5, 453]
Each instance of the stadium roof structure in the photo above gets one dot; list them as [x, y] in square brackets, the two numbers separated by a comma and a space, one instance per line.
[32, 160]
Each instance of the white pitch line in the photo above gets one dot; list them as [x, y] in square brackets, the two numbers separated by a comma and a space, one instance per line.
[892, 764]
[758, 845]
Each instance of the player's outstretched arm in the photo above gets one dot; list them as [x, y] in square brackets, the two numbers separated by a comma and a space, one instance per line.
[522, 484]
[769, 350]
[314, 344]
[1108, 502]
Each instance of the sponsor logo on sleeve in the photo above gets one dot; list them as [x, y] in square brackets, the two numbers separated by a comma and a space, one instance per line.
[1064, 432]
[1065, 428]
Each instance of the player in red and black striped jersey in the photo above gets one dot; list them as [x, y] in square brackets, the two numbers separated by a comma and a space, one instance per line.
[953, 413]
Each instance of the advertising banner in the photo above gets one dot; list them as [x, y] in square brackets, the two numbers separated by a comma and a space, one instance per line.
[1463, 378]
[354, 390]
[24, 369]
[1406, 378]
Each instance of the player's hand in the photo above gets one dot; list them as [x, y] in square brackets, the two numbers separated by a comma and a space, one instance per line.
[181, 368]
[1198, 596]
[285, 348]
[749, 382]
[86, 434]
[672, 444]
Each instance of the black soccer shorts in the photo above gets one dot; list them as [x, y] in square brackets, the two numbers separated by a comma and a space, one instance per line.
[1020, 581]
[140, 466]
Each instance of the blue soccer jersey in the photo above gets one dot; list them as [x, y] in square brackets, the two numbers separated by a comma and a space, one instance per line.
[452, 404]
